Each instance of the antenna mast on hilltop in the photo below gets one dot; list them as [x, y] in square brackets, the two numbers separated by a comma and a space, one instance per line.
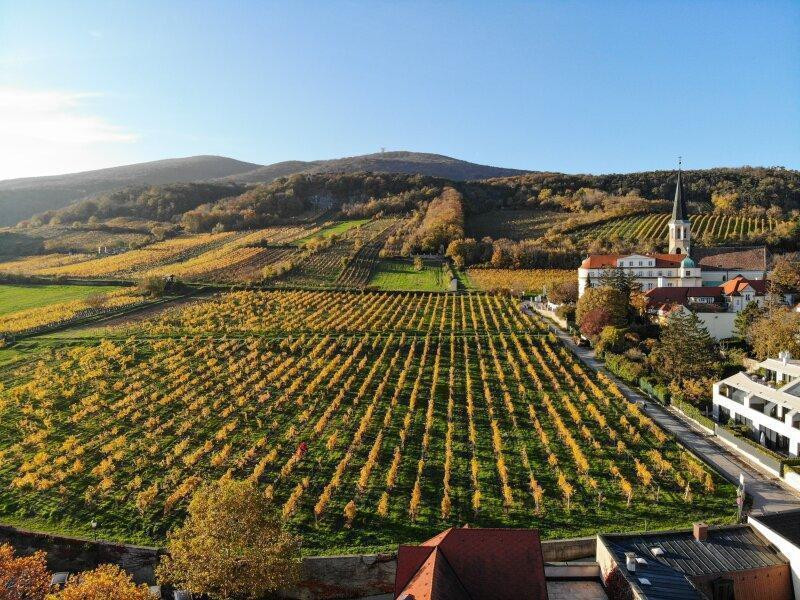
[383, 150]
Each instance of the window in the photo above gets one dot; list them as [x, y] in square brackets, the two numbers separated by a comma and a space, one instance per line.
[688, 274]
[640, 263]
[661, 273]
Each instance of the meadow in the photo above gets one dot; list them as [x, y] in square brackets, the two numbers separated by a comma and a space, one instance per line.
[14, 298]
[26, 308]
[402, 275]
[367, 418]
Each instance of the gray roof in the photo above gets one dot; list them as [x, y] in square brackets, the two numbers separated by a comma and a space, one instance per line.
[786, 524]
[731, 258]
[730, 548]
[680, 212]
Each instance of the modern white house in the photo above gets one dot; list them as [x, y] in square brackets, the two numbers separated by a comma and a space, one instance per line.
[766, 401]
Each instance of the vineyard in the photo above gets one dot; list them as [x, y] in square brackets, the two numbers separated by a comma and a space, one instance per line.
[654, 227]
[366, 418]
[519, 280]
[87, 302]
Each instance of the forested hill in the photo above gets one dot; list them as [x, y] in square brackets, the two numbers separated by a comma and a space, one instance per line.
[746, 186]
[414, 163]
[22, 198]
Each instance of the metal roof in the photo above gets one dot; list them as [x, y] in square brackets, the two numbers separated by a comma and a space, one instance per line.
[727, 549]
[786, 524]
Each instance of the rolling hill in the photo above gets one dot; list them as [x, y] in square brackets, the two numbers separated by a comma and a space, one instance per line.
[22, 198]
[419, 163]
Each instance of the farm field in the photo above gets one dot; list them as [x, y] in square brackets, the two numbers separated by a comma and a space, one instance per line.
[519, 280]
[332, 229]
[53, 307]
[654, 227]
[15, 298]
[516, 224]
[368, 418]
[401, 275]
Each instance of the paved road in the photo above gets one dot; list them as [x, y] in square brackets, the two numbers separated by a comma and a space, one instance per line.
[769, 493]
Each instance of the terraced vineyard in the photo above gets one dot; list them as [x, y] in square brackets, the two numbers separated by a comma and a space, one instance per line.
[347, 263]
[367, 418]
[654, 227]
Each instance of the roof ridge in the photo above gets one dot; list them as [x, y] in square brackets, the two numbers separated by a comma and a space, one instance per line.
[440, 552]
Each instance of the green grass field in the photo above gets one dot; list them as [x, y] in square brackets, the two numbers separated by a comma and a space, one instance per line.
[401, 275]
[335, 229]
[22, 297]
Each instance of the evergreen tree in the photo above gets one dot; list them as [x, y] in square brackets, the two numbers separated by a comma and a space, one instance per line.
[685, 349]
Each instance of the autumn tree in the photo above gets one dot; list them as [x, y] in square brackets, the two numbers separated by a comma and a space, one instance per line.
[685, 349]
[595, 321]
[611, 300]
[463, 251]
[785, 275]
[774, 332]
[232, 545]
[23, 578]
[564, 293]
[104, 582]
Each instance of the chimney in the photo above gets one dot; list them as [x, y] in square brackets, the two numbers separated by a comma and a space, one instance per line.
[630, 561]
[700, 532]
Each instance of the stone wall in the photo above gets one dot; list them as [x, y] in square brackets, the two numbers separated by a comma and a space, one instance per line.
[323, 577]
[74, 554]
[352, 576]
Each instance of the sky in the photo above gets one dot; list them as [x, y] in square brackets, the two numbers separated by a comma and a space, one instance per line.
[589, 87]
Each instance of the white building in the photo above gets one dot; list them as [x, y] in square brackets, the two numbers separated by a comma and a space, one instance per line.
[767, 402]
[684, 265]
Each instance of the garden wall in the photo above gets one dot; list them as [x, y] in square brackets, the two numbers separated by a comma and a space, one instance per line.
[74, 554]
[323, 577]
[773, 465]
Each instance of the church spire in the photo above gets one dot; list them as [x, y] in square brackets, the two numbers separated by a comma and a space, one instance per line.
[679, 227]
[680, 211]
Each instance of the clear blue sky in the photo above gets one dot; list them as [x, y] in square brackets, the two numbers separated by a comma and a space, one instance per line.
[568, 86]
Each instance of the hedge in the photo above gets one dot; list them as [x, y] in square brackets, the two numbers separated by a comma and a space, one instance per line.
[691, 411]
[655, 390]
[625, 369]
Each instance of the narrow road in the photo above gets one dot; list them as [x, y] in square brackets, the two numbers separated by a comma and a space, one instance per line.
[769, 493]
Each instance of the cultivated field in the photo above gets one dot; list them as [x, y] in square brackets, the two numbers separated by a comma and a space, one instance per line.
[29, 307]
[519, 280]
[368, 418]
[516, 224]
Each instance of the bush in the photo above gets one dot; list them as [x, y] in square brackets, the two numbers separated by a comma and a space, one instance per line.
[566, 312]
[623, 368]
[654, 389]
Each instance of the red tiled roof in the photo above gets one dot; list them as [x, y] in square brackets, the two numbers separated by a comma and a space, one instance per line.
[601, 261]
[738, 284]
[682, 294]
[497, 564]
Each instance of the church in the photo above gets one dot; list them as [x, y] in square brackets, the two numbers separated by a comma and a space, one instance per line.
[685, 265]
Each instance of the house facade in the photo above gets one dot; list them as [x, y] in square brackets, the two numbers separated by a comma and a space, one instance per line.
[766, 402]
[684, 265]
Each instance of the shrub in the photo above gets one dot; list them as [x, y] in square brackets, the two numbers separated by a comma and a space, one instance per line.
[623, 368]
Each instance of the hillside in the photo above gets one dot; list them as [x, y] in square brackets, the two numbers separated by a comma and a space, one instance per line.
[415, 163]
[22, 198]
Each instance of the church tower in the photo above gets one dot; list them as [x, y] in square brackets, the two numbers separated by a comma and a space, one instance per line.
[679, 226]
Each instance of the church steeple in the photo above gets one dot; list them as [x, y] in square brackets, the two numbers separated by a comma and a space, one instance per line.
[679, 226]
[679, 210]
